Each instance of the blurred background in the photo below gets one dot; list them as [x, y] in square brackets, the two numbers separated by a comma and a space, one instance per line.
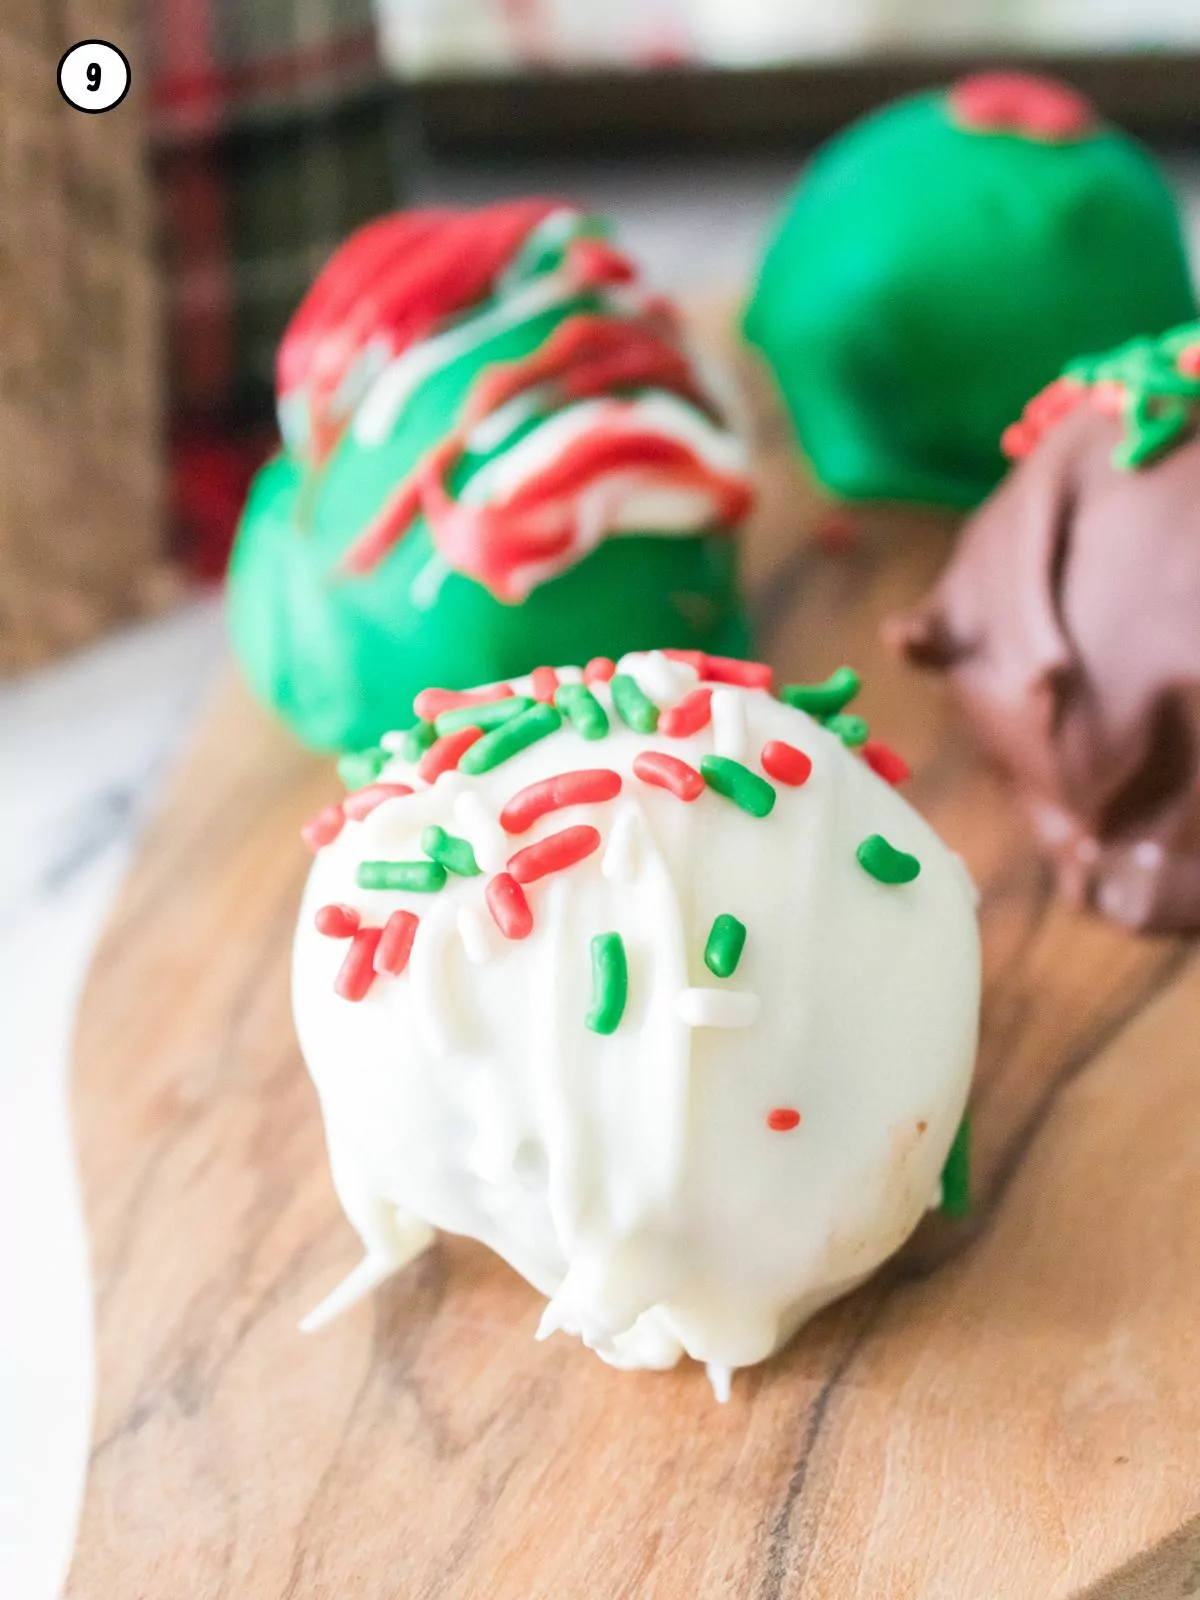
[155, 254]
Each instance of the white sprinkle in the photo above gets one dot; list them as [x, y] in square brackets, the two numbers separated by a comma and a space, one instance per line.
[602, 692]
[450, 783]
[718, 1008]
[473, 930]
[721, 1378]
[484, 833]
[427, 974]
[620, 859]
[729, 724]
[570, 674]
[656, 675]
[393, 743]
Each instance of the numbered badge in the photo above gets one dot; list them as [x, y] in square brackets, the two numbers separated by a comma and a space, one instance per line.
[93, 76]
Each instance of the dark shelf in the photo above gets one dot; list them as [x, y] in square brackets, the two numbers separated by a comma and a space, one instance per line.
[703, 108]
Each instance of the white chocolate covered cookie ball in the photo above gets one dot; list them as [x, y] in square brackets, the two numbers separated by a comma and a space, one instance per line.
[652, 983]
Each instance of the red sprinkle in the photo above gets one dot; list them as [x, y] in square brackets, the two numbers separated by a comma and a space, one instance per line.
[357, 972]
[745, 674]
[696, 659]
[689, 716]
[395, 943]
[445, 753]
[881, 758]
[362, 802]
[509, 907]
[337, 922]
[599, 670]
[552, 854]
[324, 828]
[543, 682]
[785, 763]
[430, 703]
[668, 772]
[552, 794]
[836, 531]
[783, 1119]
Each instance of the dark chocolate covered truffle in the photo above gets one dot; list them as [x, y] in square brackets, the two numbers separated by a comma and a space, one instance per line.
[1068, 625]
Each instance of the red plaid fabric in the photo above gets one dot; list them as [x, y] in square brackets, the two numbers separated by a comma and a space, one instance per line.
[274, 135]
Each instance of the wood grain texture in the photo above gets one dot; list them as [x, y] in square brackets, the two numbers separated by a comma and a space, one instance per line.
[1009, 1410]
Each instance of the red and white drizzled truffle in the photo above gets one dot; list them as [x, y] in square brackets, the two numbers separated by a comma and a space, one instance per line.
[646, 976]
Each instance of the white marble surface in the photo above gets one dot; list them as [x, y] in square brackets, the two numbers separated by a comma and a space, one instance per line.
[83, 746]
[82, 749]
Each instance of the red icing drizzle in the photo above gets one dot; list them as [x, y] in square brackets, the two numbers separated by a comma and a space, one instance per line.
[538, 524]
[394, 282]
[1021, 102]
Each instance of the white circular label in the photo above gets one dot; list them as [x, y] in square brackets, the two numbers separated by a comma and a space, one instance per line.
[93, 75]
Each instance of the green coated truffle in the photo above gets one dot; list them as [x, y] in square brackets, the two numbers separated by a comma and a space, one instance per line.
[927, 276]
[339, 653]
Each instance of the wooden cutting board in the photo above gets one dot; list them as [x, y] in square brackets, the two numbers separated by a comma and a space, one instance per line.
[1010, 1410]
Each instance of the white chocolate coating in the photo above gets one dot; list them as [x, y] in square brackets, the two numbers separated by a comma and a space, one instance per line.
[633, 1178]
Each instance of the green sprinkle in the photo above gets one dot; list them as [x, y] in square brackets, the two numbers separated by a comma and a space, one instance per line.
[851, 730]
[1158, 401]
[588, 716]
[726, 939]
[418, 877]
[738, 783]
[489, 715]
[511, 737]
[357, 768]
[453, 853]
[883, 861]
[417, 740]
[826, 699]
[610, 983]
[956, 1174]
[634, 708]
